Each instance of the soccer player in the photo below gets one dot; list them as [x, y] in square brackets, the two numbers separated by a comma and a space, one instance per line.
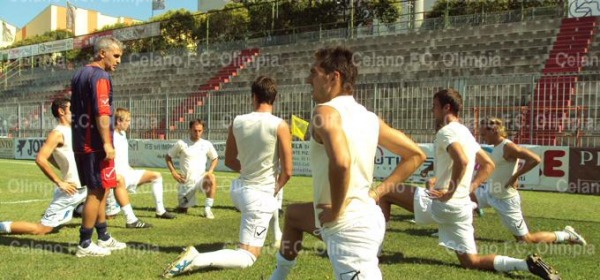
[91, 104]
[258, 146]
[501, 191]
[192, 154]
[456, 153]
[68, 194]
[133, 177]
[344, 140]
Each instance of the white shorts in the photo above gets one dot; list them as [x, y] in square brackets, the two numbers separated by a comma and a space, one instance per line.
[509, 210]
[422, 207]
[132, 179]
[279, 198]
[186, 194]
[353, 246]
[62, 206]
[455, 225]
[257, 207]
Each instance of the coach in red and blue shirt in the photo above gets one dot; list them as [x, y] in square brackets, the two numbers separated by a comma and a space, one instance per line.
[92, 142]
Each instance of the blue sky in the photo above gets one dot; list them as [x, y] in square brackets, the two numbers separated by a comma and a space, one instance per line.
[20, 12]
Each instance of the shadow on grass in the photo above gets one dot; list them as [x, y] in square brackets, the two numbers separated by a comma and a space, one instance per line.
[399, 257]
[33, 246]
[415, 231]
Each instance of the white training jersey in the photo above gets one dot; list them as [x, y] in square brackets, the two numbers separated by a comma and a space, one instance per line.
[454, 132]
[504, 170]
[65, 157]
[256, 141]
[192, 157]
[121, 152]
[361, 128]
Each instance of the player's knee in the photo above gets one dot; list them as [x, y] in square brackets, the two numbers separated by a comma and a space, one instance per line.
[155, 176]
[527, 238]
[469, 261]
[248, 258]
[42, 230]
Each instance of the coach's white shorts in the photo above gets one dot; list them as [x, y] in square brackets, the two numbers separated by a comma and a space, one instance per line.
[132, 179]
[257, 207]
[509, 210]
[422, 207]
[186, 193]
[353, 245]
[455, 224]
[62, 206]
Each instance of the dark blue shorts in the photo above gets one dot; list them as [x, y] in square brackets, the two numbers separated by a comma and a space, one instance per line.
[94, 171]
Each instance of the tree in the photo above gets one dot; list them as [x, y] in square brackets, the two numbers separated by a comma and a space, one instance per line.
[465, 7]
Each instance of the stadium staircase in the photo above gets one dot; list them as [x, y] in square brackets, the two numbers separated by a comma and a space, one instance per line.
[552, 107]
[186, 110]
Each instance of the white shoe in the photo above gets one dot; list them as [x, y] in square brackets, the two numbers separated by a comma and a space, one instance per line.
[277, 243]
[91, 251]
[112, 244]
[575, 237]
[182, 263]
[208, 214]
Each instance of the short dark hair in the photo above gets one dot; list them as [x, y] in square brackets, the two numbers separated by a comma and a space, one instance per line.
[197, 121]
[449, 96]
[59, 103]
[265, 90]
[339, 59]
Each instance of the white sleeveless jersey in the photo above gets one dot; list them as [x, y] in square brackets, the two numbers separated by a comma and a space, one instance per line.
[361, 128]
[504, 170]
[65, 158]
[121, 152]
[256, 140]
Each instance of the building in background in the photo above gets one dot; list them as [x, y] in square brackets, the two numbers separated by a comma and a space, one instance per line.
[79, 21]
[7, 34]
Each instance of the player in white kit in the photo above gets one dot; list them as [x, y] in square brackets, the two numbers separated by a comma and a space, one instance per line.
[133, 177]
[192, 154]
[259, 147]
[57, 150]
[344, 140]
[456, 153]
[501, 192]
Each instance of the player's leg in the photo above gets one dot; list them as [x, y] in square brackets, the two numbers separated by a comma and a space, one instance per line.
[274, 223]
[402, 196]
[122, 196]
[299, 219]
[156, 180]
[209, 187]
[20, 227]
[352, 250]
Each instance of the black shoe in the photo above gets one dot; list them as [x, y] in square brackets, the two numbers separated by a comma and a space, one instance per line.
[138, 224]
[540, 268]
[180, 210]
[166, 215]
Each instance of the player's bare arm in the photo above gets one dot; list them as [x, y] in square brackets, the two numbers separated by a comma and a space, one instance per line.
[231, 152]
[284, 149]
[486, 167]
[54, 139]
[176, 175]
[513, 152]
[412, 157]
[328, 131]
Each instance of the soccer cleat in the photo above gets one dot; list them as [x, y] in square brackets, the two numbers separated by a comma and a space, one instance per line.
[575, 237]
[166, 215]
[182, 264]
[540, 268]
[92, 250]
[180, 210]
[112, 244]
[138, 224]
[78, 210]
[208, 214]
[479, 212]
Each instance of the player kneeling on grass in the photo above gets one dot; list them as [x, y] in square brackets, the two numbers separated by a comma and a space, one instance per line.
[57, 150]
[259, 146]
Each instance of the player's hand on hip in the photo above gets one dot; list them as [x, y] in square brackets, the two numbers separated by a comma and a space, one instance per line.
[512, 183]
[326, 215]
[110, 151]
[68, 188]
[439, 195]
[178, 177]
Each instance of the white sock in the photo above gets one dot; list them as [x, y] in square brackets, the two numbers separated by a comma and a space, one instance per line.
[129, 216]
[562, 236]
[283, 268]
[208, 203]
[275, 225]
[225, 258]
[506, 264]
[5, 227]
[157, 192]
